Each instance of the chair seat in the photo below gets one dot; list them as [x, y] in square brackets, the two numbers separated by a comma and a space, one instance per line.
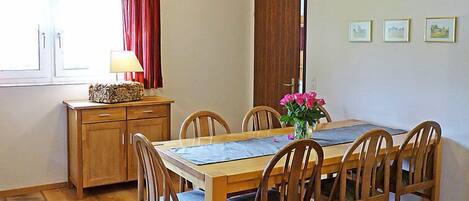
[195, 195]
[327, 184]
[273, 195]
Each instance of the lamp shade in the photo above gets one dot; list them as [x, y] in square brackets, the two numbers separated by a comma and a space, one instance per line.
[124, 61]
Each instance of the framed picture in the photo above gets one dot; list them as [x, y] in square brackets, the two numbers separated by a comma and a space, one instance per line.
[440, 29]
[360, 31]
[397, 30]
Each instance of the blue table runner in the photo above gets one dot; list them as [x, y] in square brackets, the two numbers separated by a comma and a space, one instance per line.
[257, 147]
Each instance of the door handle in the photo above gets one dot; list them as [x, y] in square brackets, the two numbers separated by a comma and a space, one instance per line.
[59, 38]
[41, 35]
[291, 85]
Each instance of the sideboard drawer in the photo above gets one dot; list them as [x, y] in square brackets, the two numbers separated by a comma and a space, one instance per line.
[150, 111]
[103, 115]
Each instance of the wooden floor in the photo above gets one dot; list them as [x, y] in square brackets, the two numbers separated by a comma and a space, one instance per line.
[118, 192]
[29, 197]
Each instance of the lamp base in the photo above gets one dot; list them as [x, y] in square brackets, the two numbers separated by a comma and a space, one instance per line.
[116, 92]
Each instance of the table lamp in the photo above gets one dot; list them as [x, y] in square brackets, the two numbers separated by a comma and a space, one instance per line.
[124, 62]
[121, 62]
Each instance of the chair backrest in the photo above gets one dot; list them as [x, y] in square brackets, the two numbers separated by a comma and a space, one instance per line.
[158, 181]
[368, 158]
[204, 124]
[294, 175]
[262, 118]
[326, 114]
[424, 139]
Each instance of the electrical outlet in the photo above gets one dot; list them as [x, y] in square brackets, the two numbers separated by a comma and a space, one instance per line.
[314, 84]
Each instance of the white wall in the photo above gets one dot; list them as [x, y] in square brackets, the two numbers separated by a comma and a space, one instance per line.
[206, 58]
[396, 84]
[206, 54]
[33, 130]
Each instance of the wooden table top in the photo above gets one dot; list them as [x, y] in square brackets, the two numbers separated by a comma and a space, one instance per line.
[253, 167]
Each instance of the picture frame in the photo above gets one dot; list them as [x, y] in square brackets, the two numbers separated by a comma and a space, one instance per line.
[396, 30]
[360, 31]
[441, 29]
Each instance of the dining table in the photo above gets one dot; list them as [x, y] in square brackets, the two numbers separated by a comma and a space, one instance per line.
[221, 179]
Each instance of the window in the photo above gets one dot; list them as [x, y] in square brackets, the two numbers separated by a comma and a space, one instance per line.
[22, 38]
[58, 41]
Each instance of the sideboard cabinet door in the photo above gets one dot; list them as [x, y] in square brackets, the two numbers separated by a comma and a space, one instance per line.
[155, 129]
[104, 153]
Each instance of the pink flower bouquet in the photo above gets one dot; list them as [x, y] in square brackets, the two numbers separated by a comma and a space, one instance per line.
[303, 110]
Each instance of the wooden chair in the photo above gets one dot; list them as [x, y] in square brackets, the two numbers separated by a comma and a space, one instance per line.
[204, 124]
[158, 182]
[295, 184]
[419, 178]
[367, 163]
[262, 118]
[326, 114]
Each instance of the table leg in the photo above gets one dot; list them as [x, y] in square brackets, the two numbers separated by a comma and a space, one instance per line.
[216, 188]
[437, 175]
[141, 186]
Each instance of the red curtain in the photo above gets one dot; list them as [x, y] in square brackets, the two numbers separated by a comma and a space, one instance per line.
[142, 36]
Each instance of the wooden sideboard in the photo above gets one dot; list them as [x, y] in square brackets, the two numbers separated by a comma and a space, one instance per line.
[100, 148]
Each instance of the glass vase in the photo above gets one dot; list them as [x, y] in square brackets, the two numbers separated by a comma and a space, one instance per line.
[301, 130]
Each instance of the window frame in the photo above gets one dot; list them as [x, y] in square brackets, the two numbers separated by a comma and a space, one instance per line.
[45, 58]
[51, 70]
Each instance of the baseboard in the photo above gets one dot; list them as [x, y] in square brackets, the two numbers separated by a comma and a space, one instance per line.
[32, 189]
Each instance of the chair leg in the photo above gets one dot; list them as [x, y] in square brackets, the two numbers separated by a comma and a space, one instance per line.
[397, 196]
[182, 184]
[190, 185]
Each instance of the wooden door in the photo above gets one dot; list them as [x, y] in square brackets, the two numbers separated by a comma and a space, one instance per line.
[155, 129]
[104, 153]
[276, 50]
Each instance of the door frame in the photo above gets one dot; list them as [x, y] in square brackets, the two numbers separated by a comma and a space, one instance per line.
[305, 34]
